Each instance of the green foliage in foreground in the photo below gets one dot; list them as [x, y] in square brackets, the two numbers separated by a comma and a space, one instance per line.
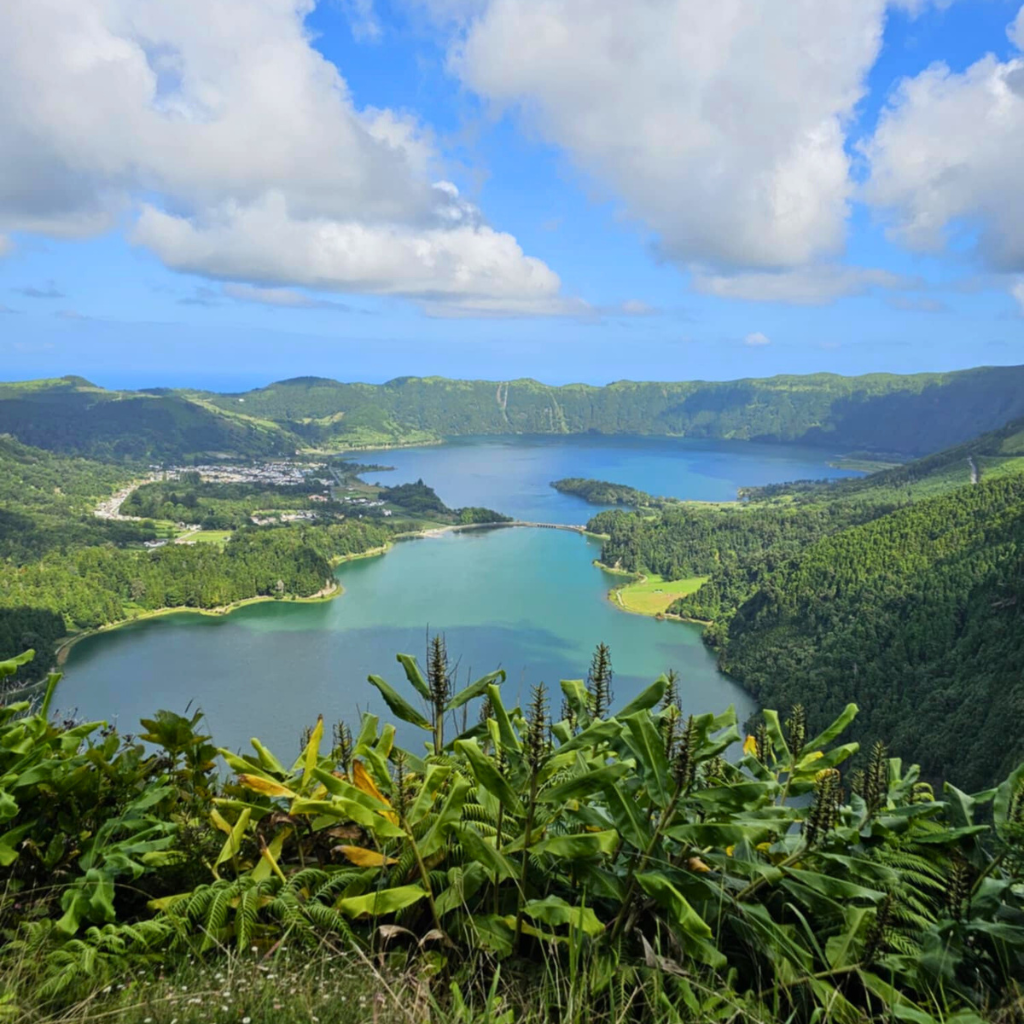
[620, 854]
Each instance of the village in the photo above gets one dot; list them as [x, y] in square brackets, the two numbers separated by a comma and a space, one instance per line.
[337, 489]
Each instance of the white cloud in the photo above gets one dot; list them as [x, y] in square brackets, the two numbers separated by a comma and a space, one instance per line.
[721, 126]
[946, 159]
[806, 286]
[1015, 30]
[235, 132]
[362, 19]
[757, 339]
[1017, 291]
[472, 264]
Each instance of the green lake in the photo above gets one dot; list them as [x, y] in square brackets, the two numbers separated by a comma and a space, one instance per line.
[526, 600]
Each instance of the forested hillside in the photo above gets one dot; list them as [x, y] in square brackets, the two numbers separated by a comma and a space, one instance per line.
[912, 415]
[918, 617]
[903, 591]
[73, 416]
[907, 415]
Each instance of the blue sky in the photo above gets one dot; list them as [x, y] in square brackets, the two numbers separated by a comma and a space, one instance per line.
[642, 191]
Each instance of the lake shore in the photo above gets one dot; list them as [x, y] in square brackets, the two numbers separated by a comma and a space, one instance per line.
[326, 594]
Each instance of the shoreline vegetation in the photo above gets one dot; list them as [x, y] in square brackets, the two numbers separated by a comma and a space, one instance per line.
[63, 648]
[326, 594]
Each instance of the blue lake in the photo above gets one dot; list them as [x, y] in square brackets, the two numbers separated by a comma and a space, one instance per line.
[528, 601]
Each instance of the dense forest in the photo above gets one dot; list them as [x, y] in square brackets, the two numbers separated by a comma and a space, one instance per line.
[902, 590]
[913, 415]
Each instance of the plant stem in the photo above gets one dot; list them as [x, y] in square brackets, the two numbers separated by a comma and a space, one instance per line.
[525, 859]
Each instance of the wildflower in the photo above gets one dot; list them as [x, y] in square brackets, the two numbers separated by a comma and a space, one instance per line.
[247, 1020]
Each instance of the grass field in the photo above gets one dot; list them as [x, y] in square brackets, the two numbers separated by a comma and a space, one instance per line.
[653, 595]
[220, 537]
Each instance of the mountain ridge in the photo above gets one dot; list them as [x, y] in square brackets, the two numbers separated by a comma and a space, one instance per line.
[910, 415]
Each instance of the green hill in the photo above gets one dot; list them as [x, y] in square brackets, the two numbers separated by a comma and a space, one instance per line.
[73, 416]
[917, 616]
[906, 415]
[912, 415]
[902, 591]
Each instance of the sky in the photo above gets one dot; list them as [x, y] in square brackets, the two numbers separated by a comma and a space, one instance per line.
[222, 193]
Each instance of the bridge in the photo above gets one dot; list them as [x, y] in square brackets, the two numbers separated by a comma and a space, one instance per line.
[571, 527]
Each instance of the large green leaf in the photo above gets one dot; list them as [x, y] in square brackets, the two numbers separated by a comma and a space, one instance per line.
[1005, 793]
[824, 738]
[696, 931]
[382, 902]
[414, 674]
[507, 735]
[626, 816]
[405, 711]
[486, 772]
[434, 779]
[647, 698]
[481, 850]
[587, 784]
[648, 745]
[779, 745]
[446, 818]
[580, 845]
[555, 911]
[477, 689]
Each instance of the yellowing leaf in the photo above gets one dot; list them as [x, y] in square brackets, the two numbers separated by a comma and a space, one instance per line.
[312, 752]
[266, 786]
[729, 849]
[364, 858]
[750, 746]
[362, 781]
[696, 864]
[220, 821]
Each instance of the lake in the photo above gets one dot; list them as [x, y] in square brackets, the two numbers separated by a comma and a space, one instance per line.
[526, 600]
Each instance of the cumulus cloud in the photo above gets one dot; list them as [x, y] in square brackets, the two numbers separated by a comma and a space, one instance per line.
[757, 339]
[946, 159]
[236, 132]
[804, 286]
[720, 126]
